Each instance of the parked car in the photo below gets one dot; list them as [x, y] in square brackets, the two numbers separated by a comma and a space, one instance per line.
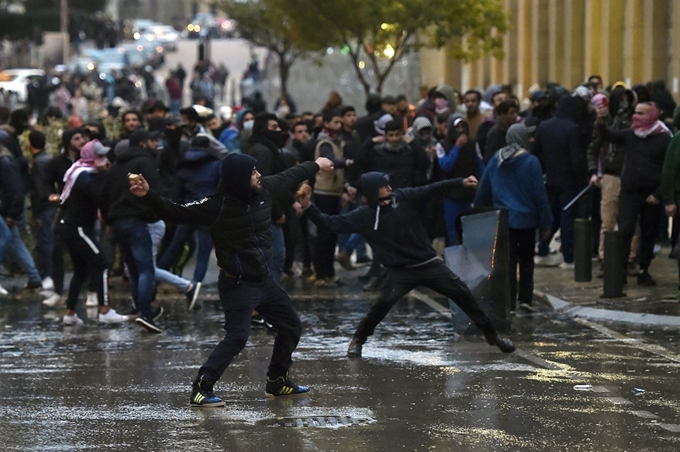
[203, 25]
[16, 82]
[167, 36]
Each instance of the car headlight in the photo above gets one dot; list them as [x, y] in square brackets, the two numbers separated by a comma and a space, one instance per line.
[190, 27]
[136, 36]
[90, 67]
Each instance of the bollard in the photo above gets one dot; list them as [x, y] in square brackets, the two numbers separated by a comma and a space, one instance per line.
[583, 244]
[613, 265]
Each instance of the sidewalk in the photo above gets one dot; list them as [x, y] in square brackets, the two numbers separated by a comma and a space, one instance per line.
[656, 305]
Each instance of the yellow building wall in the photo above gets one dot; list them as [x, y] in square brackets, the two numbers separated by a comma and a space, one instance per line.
[565, 41]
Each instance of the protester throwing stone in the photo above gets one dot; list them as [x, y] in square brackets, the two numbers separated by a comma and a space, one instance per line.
[239, 221]
[391, 224]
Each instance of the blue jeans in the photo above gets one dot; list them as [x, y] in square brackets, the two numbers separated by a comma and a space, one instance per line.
[278, 252]
[43, 241]
[5, 238]
[157, 230]
[137, 252]
[17, 251]
[350, 242]
[175, 105]
[174, 252]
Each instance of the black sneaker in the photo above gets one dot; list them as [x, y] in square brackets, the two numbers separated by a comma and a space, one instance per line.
[202, 395]
[505, 345]
[148, 325]
[192, 295]
[354, 349]
[259, 322]
[645, 279]
[373, 285]
[283, 386]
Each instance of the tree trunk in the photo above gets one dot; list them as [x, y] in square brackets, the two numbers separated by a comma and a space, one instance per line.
[284, 72]
[354, 56]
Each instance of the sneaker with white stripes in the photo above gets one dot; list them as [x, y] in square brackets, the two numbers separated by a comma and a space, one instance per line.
[112, 317]
[72, 320]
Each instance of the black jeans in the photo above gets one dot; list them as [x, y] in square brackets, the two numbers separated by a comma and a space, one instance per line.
[87, 259]
[522, 253]
[325, 242]
[239, 299]
[435, 276]
[633, 206]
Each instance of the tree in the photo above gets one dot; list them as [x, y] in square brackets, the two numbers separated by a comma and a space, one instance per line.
[260, 24]
[384, 31]
[90, 6]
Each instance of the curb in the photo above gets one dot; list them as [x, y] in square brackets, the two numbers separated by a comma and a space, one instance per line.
[610, 315]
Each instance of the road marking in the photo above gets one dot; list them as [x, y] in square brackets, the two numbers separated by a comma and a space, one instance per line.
[637, 343]
[675, 428]
[645, 414]
[618, 401]
[440, 308]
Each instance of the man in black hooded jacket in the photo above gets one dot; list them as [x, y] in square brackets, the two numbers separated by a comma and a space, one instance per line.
[391, 225]
[239, 221]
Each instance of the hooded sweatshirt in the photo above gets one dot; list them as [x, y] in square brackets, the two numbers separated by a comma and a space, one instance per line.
[394, 230]
[116, 201]
[559, 148]
[513, 180]
[238, 217]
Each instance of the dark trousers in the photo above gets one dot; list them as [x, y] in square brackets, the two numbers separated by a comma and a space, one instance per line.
[564, 221]
[43, 241]
[58, 250]
[87, 260]
[325, 242]
[633, 206]
[305, 242]
[522, 253]
[436, 276]
[239, 299]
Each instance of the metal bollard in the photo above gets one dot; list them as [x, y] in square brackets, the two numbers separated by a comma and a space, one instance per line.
[583, 244]
[613, 265]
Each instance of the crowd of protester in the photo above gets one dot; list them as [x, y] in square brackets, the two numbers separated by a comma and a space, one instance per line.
[66, 176]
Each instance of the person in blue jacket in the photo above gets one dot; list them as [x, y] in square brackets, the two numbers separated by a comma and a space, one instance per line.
[513, 180]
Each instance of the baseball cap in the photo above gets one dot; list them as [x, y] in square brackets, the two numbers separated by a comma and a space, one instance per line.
[100, 149]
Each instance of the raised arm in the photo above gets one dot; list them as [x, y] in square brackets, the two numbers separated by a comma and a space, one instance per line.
[289, 179]
[426, 192]
[204, 212]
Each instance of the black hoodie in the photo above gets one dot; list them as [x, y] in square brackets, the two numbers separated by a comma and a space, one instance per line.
[394, 231]
[238, 218]
[116, 201]
[559, 147]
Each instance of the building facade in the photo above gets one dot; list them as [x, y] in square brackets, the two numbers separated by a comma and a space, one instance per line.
[565, 41]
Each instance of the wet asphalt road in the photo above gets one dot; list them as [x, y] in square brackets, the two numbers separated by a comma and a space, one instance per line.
[419, 386]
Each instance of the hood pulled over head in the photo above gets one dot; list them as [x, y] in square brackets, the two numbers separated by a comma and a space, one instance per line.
[235, 173]
[370, 183]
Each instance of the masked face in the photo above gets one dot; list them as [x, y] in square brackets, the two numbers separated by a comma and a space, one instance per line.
[425, 134]
[248, 125]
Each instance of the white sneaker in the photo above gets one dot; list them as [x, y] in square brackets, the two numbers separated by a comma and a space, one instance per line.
[112, 317]
[567, 265]
[48, 283]
[72, 320]
[3, 291]
[52, 300]
[551, 260]
[91, 300]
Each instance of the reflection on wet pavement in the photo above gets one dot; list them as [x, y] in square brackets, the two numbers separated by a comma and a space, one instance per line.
[419, 387]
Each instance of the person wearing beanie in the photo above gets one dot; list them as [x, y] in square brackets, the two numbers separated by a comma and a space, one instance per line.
[239, 219]
[391, 223]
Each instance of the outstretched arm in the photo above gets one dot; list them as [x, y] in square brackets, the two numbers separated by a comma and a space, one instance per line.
[288, 180]
[203, 212]
[426, 192]
[355, 221]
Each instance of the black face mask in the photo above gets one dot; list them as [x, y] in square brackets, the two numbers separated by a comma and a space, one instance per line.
[275, 137]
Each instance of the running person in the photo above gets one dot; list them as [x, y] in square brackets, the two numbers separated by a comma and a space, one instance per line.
[76, 228]
[391, 225]
[239, 221]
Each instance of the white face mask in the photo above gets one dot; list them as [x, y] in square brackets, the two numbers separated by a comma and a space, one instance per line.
[248, 125]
